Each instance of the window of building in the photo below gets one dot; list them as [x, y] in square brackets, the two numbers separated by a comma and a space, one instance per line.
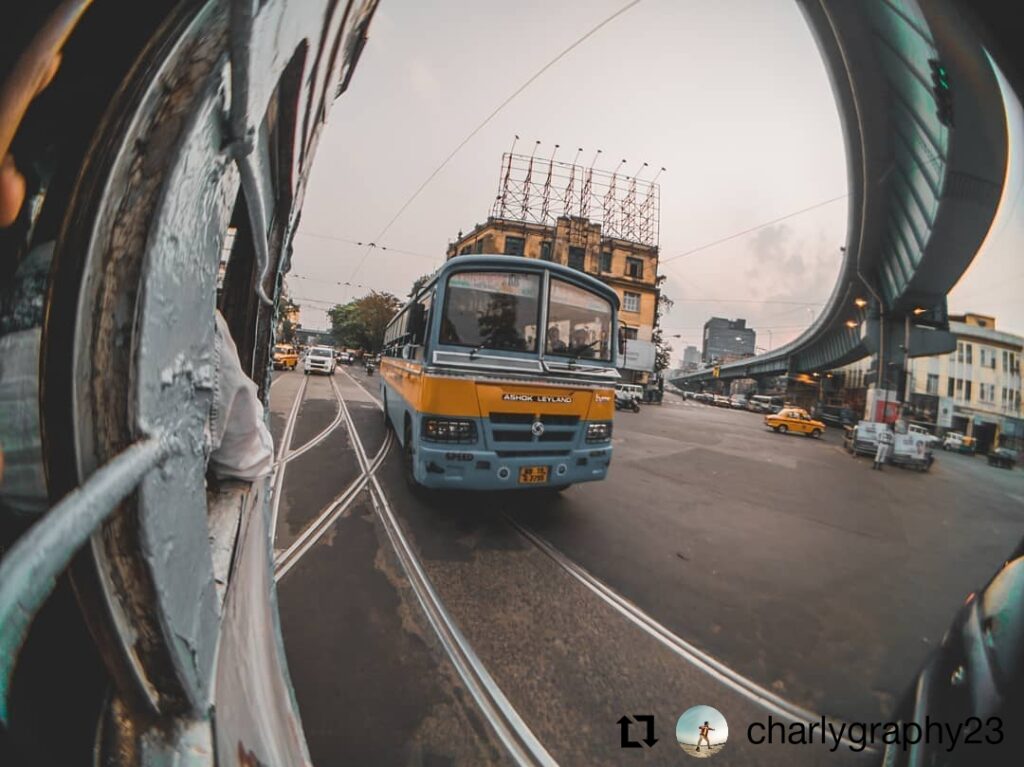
[959, 387]
[933, 384]
[634, 267]
[959, 352]
[577, 258]
[982, 357]
[464, 250]
[514, 246]
[545, 250]
[949, 387]
[606, 261]
[630, 333]
[479, 246]
[967, 390]
[631, 302]
[968, 349]
[987, 392]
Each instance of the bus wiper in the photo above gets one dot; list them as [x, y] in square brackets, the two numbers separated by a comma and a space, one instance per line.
[579, 352]
[485, 345]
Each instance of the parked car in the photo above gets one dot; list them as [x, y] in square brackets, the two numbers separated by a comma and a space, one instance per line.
[763, 403]
[319, 359]
[689, 395]
[1003, 457]
[794, 419]
[719, 400]
[285, 357]
[738, 402]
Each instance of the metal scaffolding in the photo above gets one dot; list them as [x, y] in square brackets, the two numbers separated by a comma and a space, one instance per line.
[536, 190]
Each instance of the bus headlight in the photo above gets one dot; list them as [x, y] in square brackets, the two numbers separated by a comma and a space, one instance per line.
[599, 432]
[449, 430]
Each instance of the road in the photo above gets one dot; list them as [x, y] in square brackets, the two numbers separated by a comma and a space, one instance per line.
[720, 564]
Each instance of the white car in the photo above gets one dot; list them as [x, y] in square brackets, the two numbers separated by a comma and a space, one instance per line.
[319, 359]
[930, 439]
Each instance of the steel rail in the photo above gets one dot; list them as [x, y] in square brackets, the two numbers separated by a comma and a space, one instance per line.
[29, 571]
[277, 478]
[748, 688]
[287, 559]
[307, 446]
[508, 725]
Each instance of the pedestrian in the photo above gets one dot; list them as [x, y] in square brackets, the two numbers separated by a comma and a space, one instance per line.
[885, 440]
[704, 729]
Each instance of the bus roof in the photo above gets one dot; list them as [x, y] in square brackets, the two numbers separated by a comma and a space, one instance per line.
[518, 262]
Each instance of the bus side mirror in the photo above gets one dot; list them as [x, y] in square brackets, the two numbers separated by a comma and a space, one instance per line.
[417, 323]
[622, 340]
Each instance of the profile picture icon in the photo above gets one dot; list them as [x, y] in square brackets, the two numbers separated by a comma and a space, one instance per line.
[702, 731]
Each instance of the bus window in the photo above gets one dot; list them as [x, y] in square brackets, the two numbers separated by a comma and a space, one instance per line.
[579, 322]
[492, 310]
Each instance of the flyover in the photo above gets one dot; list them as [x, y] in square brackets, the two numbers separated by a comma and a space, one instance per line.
[924, 126]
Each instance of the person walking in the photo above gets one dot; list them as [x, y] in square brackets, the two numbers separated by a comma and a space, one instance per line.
[704, 729]
[885, 440]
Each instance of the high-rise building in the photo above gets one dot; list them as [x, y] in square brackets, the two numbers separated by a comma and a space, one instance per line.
[691, 359]
[727, 340]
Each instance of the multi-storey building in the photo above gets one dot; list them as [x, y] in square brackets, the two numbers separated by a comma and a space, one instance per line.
[630, 268]
[727, 340]
[975, 389]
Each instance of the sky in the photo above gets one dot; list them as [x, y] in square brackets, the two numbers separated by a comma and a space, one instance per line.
[692, 718]
[730, 97]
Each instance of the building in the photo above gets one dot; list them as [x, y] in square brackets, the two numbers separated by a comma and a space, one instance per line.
[975, 390]
[727, 340]
[602, 223]
[630, 268]
[690, 360]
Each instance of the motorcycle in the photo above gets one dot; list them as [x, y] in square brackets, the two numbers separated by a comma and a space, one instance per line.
[369, 368]
[627, 403]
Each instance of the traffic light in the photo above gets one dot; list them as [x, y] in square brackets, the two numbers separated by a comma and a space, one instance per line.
[716, 371]
[942, 92]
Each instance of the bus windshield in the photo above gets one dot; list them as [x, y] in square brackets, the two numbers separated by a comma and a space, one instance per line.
[579, 322]
[492, 310]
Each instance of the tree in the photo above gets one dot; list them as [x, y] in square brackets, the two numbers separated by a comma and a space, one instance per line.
[420, 282]
[662, 349]
[361, 323]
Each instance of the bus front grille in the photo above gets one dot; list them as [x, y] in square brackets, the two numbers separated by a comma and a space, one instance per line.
[517, 428]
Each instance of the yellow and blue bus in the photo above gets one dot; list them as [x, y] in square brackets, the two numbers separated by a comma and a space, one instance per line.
[500, 373]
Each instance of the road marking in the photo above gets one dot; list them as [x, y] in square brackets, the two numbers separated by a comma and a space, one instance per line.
[277, 478]
[511, 730]
[711, 666]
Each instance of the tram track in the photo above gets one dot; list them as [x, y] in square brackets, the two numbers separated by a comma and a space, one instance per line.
[515, 735]
[720, 672]
[277, 477]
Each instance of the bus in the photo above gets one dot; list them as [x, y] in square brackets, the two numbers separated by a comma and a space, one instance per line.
[500, 373]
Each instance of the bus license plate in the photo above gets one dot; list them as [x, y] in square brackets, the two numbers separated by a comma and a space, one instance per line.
[533, 475]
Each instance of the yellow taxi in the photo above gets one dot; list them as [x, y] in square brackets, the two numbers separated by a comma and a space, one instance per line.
[285, 357]
[794, 419]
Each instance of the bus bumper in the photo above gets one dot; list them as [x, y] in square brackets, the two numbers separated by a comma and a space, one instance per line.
[451, 467]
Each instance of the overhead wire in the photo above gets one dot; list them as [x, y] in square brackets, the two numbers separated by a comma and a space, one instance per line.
[607, 20]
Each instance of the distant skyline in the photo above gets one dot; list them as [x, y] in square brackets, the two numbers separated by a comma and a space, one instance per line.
[732, 98]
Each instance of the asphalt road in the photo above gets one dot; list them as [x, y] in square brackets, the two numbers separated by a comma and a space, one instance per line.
[801, 572]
